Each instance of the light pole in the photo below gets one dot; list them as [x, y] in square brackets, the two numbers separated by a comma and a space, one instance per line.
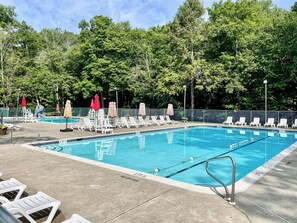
[117, 101]
[185, 91]
[18, 97]
[265, 83]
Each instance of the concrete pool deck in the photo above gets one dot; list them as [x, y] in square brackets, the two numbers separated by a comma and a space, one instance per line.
[103, 195]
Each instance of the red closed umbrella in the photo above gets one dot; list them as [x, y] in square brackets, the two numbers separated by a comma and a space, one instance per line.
[96, 103]
[96, 108]
[24, 103]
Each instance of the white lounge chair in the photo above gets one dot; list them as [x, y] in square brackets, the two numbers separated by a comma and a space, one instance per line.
[75, 218]
[255, 122]
[30, 119]
[12, 126]
[169, 121]
[133, 122]
[148, 120]
[295, 124]
[141, 121]
[12, 185]
[282, 123]
[228, 121]
[87, 124]
[31, 204]
[125, 122]
[241, 121]
[103, 126]
[154, 120]
[162, 120]
[270, 122]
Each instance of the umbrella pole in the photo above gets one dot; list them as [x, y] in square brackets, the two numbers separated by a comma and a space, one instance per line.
[66, 123]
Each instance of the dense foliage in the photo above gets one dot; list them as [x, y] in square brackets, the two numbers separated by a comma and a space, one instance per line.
[222, 61]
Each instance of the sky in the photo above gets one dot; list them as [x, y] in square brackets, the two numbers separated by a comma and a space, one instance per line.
[66, 14]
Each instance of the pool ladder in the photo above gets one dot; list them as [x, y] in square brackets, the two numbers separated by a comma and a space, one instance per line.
[228, 197]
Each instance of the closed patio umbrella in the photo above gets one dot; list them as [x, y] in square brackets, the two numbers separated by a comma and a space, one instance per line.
[141, 109]
[92, 103]
[112, 110]
[170, 111]
[67, 114]
[24, 104]
[96, 108]
[58, 108]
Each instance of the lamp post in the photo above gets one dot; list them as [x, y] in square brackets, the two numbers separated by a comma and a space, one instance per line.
[265, 83]
[18, 97]
[185, 91]
[117, 101]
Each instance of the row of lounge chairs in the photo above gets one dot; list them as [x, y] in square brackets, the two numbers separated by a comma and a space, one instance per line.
[24, 207]
[105, 126]
[148, 121]
[256, 122]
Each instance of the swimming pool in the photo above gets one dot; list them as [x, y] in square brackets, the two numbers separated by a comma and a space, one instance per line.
[58, 120]
[180, 154]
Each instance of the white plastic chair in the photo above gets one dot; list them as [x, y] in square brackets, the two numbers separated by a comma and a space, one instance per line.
[295, 124]
[141, 121]
[133, 122]
[270, 122]
[162, 120]
[87, 124]
[241, 121]
[154, 120]
[169, 121]
[12, 185]
[31, 204]
[282, 123]
[255, 122]
[75, 218]
[125, 122]
[148, 120]
[228, 121]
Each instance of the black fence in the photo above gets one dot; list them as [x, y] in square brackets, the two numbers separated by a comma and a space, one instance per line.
[198, 115]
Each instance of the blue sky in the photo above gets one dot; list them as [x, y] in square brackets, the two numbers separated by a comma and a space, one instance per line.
[66, 14]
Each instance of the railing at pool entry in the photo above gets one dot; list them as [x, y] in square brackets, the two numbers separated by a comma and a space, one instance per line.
[21, 129]
[228, 197]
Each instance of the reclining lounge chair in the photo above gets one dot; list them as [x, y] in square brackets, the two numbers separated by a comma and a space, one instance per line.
[31, 204]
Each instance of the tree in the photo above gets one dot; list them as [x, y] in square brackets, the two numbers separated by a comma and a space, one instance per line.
[187, 41]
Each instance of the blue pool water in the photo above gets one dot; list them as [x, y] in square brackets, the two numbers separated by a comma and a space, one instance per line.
[180, 154]
[58, 120]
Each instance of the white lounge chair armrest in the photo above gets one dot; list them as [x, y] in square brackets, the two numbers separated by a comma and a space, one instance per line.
[3, 200]
[18, 211]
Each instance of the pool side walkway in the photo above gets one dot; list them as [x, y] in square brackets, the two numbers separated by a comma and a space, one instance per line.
[103, 195]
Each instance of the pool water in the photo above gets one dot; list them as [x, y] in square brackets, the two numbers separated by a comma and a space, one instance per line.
[181, 154]
[58, 120]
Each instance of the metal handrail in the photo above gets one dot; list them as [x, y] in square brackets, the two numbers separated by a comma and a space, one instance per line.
[230, 199]
[11, 133]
